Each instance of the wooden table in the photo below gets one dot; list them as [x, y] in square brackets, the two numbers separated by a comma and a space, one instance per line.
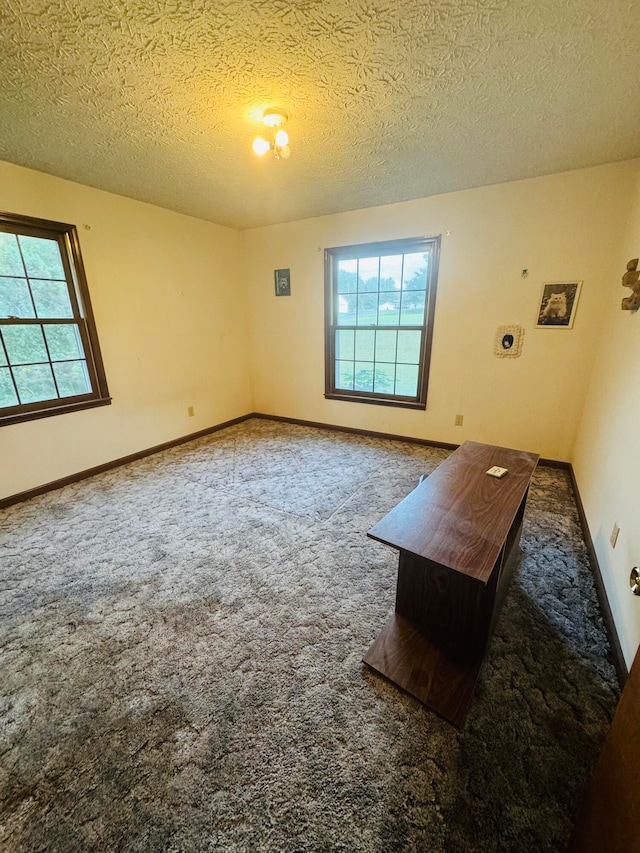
[458, 536]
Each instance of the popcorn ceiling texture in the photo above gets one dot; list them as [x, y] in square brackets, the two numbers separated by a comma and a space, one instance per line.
[160, 99]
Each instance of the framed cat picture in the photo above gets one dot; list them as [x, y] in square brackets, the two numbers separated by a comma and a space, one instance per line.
[558, 304]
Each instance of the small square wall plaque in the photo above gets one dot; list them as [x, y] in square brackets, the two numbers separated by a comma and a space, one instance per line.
[283, 282]
[508, 341]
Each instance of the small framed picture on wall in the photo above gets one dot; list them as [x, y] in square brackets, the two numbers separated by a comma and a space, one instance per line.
[558, 303]
[282, 282]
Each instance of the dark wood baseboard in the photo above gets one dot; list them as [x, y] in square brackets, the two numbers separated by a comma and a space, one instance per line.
[355, 431]
[612, 633]
[618, 657]
[133, 457]
[115, 463]
[619, 661]
[554, 463]
[124, 460]
[614, 640]
[426, 442]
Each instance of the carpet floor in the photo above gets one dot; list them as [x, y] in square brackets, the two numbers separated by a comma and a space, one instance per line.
[180, 663]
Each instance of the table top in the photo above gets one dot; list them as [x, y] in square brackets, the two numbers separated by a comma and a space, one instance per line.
[459, 517]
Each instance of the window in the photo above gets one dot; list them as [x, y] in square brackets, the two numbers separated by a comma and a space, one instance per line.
[380, 303]
[49, 355]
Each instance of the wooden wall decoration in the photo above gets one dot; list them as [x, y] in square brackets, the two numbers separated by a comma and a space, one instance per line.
[632, 279]
[508, 341]
[282, 280]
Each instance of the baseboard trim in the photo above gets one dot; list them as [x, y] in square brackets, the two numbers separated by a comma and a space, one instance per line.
[427, 442]
[614, 640]
[355, 431]
[116, 463]
[616, 648]
[554, 463]
[20, 497]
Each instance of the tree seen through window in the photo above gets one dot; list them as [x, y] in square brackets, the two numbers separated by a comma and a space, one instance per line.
[379, 317]
[49, 355]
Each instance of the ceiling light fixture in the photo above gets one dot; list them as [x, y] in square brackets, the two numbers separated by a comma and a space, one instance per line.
[279, 144]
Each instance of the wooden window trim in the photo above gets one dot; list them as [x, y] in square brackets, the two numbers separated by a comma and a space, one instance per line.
[364, 250]
[83, 317]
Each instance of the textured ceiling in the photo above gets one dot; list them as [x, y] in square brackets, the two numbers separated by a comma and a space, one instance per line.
[160, 99]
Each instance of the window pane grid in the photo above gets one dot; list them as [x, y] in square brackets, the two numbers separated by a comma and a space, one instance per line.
[53, 376]
[41, 256]
[52, 361]
[72, 378]
[8, 391]
[350, 328]
[26, 276]
[379, 315]
[44, 302]
[37, 321]
[34, 383]
[362, 364]
[49, 353]
[37, 294]
[396, 354]
[25, 380]
[24, 372]
[381, 308]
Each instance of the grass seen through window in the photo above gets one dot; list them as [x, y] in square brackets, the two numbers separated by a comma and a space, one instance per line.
[380, 310]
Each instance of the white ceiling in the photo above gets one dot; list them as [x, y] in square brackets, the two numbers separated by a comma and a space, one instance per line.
[388, 100]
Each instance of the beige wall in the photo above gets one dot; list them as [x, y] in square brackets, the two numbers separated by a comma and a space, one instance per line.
[187, 315]
[170, 309]
[607, 455]
[559, 227]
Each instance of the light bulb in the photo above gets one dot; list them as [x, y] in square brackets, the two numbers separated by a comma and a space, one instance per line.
[261, 146]
[285, 152]
[282, 137]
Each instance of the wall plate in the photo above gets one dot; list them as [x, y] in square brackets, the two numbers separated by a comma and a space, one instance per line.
[508, 341]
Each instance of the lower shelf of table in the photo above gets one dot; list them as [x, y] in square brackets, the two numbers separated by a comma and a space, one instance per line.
[442, 681]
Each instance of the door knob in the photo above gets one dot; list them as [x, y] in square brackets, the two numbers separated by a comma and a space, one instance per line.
[634, 581]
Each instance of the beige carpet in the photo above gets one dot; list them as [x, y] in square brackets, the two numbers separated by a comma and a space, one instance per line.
[180, 663]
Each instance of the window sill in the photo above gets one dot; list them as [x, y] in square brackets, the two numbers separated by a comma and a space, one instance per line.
[377, 401]
[54, 410]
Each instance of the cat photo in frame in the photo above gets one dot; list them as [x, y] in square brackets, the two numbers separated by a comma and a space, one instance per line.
[558, 303]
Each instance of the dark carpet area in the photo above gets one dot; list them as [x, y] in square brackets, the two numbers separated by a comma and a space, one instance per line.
[180, 663]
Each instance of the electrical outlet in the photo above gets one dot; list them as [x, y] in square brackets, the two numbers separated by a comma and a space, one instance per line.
[190, 411]
[614, 535]
[459, 419]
